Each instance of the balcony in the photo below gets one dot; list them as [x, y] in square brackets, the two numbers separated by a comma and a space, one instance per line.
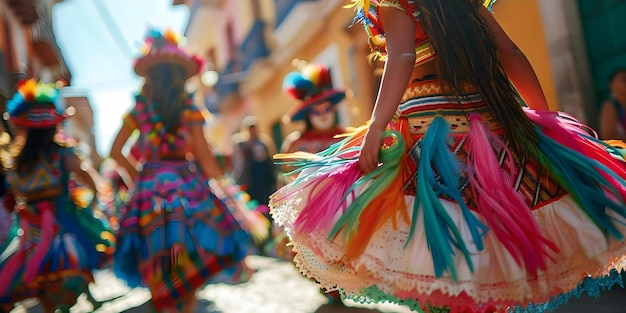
[253, 46]
[284, 7]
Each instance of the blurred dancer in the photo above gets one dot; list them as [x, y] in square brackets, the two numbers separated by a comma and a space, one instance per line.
[59, 242]
[253, 167]
[176, 234]
[312, 87]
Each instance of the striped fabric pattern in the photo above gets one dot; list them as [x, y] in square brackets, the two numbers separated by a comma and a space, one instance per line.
[74, 247]
[176, 234]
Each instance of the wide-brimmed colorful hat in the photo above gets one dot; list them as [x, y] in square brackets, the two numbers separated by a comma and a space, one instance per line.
[36, 105]
[165, 48]
[311, 85]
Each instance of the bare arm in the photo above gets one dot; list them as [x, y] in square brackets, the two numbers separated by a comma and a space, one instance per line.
[516, 65]
[128, 163]
[608, 122]
[203, 154]
[400, 37]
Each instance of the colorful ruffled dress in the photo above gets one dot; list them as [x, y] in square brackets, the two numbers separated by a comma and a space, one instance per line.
[57, 243]
[454, 220]
[176, 233]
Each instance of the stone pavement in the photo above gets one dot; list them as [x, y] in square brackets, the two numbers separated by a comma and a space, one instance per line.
[276, 287]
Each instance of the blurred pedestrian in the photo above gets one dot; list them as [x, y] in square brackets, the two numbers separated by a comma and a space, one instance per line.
[59, 242]
[253, 167]
[454, 196]
[175, 234]
[612, 123]
[254, 170]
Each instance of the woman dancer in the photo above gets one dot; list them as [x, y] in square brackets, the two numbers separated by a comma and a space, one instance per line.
[58, 242]
[175, 234]
[474, 203]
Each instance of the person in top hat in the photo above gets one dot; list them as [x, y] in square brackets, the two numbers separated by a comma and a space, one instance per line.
[57, 241]
[312, 87]
[175, 233]
[316, 106]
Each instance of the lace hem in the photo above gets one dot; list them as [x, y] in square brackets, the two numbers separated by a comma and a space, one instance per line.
[404, 272]
[369, 280]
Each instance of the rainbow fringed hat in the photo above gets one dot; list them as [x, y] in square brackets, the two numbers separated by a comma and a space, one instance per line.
[311, 85]
[165, 47]
[36, 105]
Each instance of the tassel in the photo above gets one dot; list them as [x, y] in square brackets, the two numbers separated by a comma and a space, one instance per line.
[442, 234]
[382, 200]
[326, 198]
[338, 153]
[42, 248]
[489, 4]
[584, 168]
[503, 209]
[581, 178]
[617, 149]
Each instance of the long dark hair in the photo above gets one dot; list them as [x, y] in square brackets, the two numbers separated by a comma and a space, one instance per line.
[39, 142]
[165, 87]
[467, 53]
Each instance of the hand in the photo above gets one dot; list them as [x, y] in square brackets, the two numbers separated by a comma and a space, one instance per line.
[368, 160]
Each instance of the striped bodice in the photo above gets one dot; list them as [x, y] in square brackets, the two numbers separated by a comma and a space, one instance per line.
[46, 175]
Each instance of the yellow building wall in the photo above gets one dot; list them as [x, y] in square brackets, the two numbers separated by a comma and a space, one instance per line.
[521, 20]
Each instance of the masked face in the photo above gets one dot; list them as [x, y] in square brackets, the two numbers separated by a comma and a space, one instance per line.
[322, 116]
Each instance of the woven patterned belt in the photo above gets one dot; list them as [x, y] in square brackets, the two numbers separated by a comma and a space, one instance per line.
[45, 194]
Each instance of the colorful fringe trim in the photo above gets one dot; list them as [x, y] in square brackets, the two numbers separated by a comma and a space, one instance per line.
[350, 207]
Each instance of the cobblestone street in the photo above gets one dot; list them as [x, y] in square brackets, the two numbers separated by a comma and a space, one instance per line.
[276, 287]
